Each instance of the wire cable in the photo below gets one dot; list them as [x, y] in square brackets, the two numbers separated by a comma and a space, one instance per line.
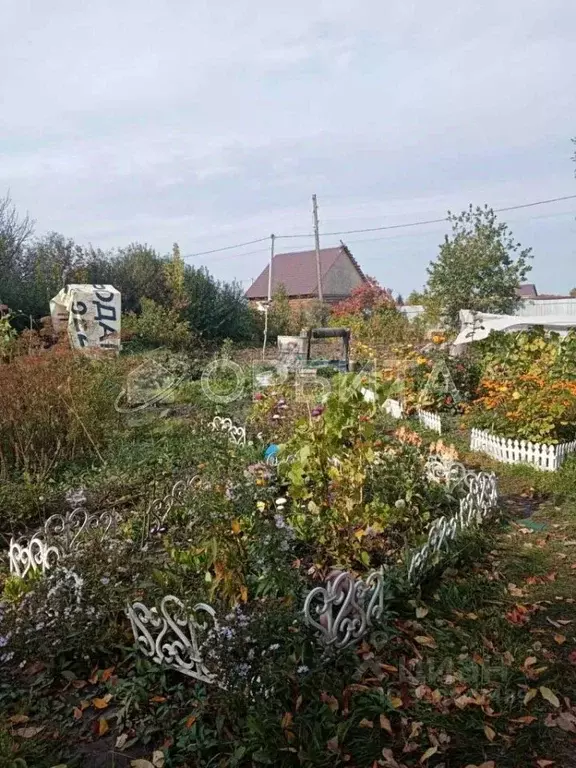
[369, 229]
[428, 221]
[227, 248]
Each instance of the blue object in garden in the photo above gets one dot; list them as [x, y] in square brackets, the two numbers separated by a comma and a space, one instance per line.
[272, 450]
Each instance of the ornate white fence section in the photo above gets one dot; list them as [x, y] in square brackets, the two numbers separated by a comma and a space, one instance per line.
[170, 635]
[235, 434]
[344, 608]
[31, 555]
[441, 469]
[547, 457]
[430, 420]
[477, 506]
[60, 534]
[394, 408]
[158, 510]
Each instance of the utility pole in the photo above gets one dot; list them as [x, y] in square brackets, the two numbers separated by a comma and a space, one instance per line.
[269, 301]
[317, 243]
[272, 238]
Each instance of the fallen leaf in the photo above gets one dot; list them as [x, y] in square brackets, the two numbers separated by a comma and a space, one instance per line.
[107, 674]
[77, 713]
[84, 704]
[422, 612]
[551, 697]
[526, 720]
[428, 754]
[29, 733]
[532, 693]
[490, 733]
[121, 741]
[554, 623]
[18, 719]
[103, 702]
[364, 723]
[386, 725]
[286, 721]
[141, 764]
[560, 639]
[236, 527]
[332, 744]
[388, 755]
[158, 758]
[429, 642]
[464, 701]
[103, 726]
[190, 722]
[158, 699]
[544, 763]
[396, 702]
[564, 622]
[530, 661]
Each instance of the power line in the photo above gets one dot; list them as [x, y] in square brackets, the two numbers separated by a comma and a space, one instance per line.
[226, 248]
[369, 229]
[428, 221]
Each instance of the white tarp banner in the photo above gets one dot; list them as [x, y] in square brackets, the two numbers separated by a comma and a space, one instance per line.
[475, 326]
[91, 313]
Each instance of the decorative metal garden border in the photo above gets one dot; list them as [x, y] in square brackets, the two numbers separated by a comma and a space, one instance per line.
[59, 535]
[157, 511]
[343, 609]
[235, 434]
[170, 634]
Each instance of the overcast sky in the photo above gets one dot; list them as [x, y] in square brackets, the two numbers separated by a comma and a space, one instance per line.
[212, 123]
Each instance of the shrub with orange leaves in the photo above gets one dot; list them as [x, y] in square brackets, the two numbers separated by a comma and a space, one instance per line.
[528, 390]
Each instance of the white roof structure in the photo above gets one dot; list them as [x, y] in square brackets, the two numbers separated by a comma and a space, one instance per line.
[475, 326]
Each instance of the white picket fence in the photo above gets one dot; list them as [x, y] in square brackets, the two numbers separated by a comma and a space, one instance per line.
[394, 408]
[547, 457]
[430, 420]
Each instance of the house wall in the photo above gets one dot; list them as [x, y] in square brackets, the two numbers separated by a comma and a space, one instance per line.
[341, 278]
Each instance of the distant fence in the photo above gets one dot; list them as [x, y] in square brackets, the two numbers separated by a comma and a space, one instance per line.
[541, 455]
[430, 420]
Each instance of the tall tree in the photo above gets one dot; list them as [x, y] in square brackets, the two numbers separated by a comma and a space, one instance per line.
[46, 265]
[138, 272]
[174, 270]
[15, 232]
[479, 267]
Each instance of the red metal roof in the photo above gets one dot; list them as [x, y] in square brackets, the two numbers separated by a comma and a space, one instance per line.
[297, 272]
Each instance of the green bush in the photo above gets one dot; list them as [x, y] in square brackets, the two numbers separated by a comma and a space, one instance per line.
[155, 326]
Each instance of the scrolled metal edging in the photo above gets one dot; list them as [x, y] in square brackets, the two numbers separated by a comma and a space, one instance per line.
[345, 607]
[31, 555]
[169, 635]
[338, 609]
[226, 426]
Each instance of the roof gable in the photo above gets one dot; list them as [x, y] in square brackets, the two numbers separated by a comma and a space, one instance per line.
[297, 272]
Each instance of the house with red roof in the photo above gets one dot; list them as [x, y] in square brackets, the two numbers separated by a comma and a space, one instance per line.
[340, 274]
